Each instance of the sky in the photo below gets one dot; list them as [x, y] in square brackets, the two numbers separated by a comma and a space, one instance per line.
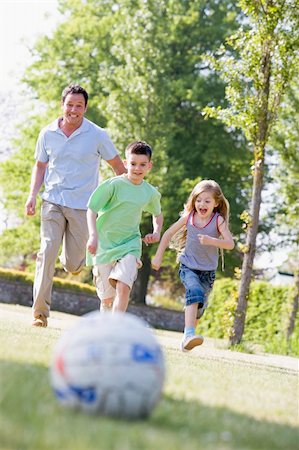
[21, 22]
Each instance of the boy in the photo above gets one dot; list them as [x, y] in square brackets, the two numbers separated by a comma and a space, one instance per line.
[113, 217]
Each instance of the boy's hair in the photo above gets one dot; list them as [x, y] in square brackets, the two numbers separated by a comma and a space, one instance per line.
[178, 241]
[139, 148]
[74, 89]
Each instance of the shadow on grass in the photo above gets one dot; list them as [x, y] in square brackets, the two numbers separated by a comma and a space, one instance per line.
[30, 418]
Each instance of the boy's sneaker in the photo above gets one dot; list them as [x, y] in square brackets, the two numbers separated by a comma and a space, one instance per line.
[189, 342]
[40, 321]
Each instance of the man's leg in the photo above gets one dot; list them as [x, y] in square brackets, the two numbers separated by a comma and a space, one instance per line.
[52, 229]
[74, 240]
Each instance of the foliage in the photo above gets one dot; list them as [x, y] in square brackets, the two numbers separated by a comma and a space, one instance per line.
[257, 63]
[141, 63]
[26, 277]
[268, 312]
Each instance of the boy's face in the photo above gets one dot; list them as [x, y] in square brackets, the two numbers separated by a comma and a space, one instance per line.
[137, 167]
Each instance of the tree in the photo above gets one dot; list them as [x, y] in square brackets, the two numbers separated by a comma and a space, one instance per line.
[285, 141]
[257, 64]
[141, 63]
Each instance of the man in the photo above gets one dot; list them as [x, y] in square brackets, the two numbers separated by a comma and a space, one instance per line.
[68, 154]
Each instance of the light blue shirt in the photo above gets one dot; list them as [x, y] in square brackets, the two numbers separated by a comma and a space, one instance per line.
[72, 173]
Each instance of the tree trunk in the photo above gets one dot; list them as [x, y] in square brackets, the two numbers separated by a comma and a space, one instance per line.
[295, 306]
[263, 123]
[139, 291]
[239, 322]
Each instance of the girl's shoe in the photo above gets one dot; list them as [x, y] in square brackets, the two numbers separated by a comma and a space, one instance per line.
[189, 342]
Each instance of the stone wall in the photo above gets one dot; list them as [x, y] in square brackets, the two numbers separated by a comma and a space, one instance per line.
[81, 303]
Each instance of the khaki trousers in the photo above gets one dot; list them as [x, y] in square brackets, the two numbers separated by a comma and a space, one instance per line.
[59, 224]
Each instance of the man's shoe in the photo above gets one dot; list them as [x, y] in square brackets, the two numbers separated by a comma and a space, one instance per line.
[189, 342]
[40, 321]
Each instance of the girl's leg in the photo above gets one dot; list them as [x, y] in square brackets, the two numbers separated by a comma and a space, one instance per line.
[190, 315]
[190, 339]
[122, 297]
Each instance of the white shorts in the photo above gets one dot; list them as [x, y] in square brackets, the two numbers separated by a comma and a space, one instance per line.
[106, 275]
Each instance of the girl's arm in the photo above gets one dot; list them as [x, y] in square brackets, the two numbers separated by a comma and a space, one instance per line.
[157, 259]
[153, 237]
[92, 242]
[226, 242]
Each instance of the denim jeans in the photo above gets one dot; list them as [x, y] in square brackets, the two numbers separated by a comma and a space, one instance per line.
[198, 284]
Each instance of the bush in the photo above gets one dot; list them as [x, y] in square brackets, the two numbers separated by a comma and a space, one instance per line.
[26, 277]
[268, 311]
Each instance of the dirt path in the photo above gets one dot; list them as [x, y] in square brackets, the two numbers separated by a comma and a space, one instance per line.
[213, 349]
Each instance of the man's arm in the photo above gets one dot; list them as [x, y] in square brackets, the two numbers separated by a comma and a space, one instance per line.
[117, 165]
[37, 179]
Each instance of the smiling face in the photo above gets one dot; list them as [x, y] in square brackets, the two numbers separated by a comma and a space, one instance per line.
[137, 167]
[205, 204]
[73, 109]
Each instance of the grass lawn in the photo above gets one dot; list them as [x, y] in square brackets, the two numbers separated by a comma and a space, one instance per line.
[208, 403]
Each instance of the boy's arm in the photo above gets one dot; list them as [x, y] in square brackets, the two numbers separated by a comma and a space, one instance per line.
[157, 259]
[92, 242]
[153, 237]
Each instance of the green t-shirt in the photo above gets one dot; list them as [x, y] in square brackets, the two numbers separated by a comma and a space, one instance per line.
[119, 205]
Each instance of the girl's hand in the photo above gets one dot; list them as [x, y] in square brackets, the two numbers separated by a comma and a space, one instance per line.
[204, 239]
[156, 262]
[92, 244]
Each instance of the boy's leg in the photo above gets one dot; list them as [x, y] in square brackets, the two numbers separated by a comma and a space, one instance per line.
[52, 229]
[122, 297]
[74, 240]
[122, 276]
[105, 291]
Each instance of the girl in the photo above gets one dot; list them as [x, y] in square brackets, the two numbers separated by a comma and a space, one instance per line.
[197, 235]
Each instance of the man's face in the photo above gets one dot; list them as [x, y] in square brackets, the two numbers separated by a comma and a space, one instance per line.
[73, 109]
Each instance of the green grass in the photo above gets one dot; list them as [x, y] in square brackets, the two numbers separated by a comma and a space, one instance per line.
[207, 403]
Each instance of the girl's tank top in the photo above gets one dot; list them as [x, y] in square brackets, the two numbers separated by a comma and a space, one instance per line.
[195, 255]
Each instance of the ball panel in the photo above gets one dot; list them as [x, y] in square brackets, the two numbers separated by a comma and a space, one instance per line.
[109, 364]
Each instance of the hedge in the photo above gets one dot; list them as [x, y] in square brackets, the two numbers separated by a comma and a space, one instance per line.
[268, 311]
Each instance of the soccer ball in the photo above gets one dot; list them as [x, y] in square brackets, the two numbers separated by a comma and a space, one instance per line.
[109, 364]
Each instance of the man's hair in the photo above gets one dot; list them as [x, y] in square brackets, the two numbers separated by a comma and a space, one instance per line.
[139, 148]
[74, 89]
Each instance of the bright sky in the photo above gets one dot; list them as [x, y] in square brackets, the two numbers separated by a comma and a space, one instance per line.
[21, 22]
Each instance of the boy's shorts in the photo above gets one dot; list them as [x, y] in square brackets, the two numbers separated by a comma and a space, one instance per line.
[106, 275]
[198, 285]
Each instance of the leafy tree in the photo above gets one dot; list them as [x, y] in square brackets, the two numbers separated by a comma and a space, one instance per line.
[141, 63]
[257, 64]
[286, 223]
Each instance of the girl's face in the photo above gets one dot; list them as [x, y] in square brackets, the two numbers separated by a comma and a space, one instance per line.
[205, 204]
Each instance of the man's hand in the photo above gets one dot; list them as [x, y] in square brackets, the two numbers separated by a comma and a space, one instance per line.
[30, 206]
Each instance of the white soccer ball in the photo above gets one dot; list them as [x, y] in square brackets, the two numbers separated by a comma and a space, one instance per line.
[109, 364]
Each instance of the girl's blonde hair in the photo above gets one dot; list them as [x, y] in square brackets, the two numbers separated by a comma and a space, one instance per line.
[179, 239]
